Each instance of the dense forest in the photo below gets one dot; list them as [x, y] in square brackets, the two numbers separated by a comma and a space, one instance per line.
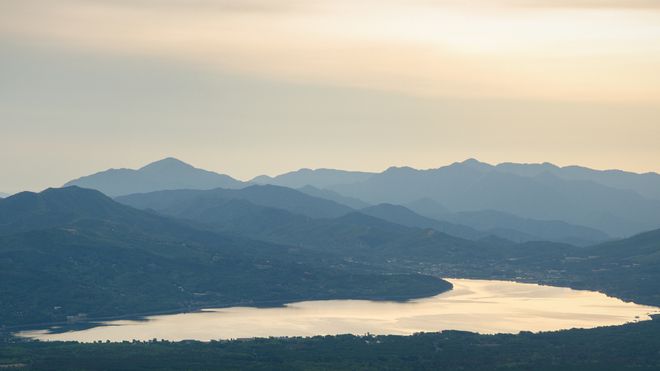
[71, 250]
[630, 347]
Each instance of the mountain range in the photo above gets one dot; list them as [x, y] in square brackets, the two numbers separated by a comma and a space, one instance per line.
[76, 250]
[196, 204]
[646, 184]
[520, 202]
[342, 231]
[475, 186]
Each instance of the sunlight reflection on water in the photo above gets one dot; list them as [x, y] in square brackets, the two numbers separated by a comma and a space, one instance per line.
[481, 306]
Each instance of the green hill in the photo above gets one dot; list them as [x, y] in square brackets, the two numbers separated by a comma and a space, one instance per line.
[77, 251]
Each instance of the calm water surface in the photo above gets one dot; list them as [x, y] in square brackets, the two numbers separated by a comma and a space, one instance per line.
[473, 305]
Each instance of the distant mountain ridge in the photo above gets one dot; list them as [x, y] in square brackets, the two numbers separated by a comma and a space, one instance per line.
[472, 185]
[165, 174]
[318, 178]
[646, 184]
[615, 202]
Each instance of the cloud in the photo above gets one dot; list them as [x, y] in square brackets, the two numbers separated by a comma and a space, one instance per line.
[248, 6]
[385, 45]
[589, 4]
[550, 4]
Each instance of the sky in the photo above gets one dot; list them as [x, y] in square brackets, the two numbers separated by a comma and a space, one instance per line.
[249, 87]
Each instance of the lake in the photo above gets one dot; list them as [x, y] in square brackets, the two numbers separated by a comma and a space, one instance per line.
[481, 306]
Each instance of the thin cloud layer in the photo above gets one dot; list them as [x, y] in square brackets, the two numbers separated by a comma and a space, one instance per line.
[593, 4]
[391, 46]
[559, 4]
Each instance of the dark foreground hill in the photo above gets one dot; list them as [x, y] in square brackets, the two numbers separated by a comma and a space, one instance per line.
[628, 268]
[72, 250]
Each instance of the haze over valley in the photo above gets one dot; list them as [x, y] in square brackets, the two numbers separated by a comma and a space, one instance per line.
[196, 239]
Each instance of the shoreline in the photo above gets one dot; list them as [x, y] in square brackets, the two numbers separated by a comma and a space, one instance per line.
[98, 321]
[442, 308]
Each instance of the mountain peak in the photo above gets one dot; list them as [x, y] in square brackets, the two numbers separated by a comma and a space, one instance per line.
[56, 207]
[550, 165]
[166, 163]
[470, 163]
[69, 195]
[473, 162]
[399, 170]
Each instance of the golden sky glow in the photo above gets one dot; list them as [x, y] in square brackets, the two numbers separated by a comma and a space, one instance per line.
[581, 76]
[442, 48]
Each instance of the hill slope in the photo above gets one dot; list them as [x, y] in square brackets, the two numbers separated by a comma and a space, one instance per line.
[263, 195]
[512, 227]
[318, 178]
[404, 216]
[76, 251]
[354, 235]
[334, 196]
[628, 268]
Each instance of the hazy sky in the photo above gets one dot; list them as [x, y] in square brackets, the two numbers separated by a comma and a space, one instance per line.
[264, 86]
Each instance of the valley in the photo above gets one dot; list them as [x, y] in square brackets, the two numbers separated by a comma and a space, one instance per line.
[86, 258]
